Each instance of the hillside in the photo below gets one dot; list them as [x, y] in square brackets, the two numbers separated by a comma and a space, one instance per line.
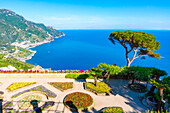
[18, 34]
[4, 62]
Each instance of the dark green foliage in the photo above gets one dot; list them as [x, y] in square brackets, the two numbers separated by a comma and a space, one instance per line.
[158, 72]
[97, 72]
[167, 90]
[79, 76]
[139, 73]
[160, 83]
[142, 44]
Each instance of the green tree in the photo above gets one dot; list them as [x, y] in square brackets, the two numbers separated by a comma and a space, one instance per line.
[158, 73]
[142, 44]
[109, 70]
[161, 85]
[96, 72]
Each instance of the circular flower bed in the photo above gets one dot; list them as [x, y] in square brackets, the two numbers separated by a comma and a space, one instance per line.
[138, 87]
[25, 102]
[78, 100]
[113, 110]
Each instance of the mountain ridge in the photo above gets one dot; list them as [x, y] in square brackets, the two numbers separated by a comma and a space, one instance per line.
[17, 32]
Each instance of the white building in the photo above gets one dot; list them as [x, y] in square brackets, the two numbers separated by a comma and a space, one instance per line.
[9, 68]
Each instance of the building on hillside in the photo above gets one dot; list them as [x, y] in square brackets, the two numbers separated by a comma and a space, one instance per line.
[38, 68]
[9, 68]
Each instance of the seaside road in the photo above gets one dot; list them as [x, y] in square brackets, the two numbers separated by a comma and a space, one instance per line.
[122, 96]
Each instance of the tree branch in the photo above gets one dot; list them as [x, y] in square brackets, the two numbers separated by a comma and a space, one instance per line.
[140, 56]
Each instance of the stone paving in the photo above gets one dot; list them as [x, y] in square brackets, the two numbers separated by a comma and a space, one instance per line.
[122, 96]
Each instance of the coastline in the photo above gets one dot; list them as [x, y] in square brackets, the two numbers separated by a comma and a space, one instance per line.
[37, 44]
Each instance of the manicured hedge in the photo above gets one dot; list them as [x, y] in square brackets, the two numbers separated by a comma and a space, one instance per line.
[113, 110]
[79, 76]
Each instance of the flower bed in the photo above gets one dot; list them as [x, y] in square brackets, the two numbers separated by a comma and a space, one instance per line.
[17, 85]
[78, 100]
[47, 105]
[102, 89]
[38, 88]
[79, 76]
[62, 85]
[8, 104]
[113, 110]
[138, 87]
[25, 102]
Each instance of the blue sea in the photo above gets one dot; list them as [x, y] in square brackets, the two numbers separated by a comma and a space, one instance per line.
[84, 49]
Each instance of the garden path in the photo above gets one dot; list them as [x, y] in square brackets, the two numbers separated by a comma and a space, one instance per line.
[122, 96]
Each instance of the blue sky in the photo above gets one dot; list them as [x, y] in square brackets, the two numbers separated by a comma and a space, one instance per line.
[94, 14]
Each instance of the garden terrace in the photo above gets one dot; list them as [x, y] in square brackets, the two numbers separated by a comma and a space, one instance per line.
[37, 88]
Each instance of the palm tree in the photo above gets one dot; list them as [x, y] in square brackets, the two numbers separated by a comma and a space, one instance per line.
[96, 72]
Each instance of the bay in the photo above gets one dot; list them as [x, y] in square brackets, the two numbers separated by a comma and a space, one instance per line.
[84, 49]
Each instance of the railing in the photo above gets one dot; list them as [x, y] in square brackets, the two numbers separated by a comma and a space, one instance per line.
[45, 72]
[33, 106]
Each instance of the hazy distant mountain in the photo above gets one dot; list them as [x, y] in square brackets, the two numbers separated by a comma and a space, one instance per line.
[14, 27]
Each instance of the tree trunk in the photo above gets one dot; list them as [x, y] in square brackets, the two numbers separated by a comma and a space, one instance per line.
[95, 80]
[151, 91]
[157, 77]
[133, 78]
[127, 58]
[128, 61]
[107, 79]
[160, 98]
[128, 64]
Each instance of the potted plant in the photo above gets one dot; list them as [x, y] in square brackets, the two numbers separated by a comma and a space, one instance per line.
[75, 71]
[79, 71]
[71, 71]
[58, 71]
[87, 71]
[62, 71]
[46, 71]
[66, 71]
[82, 72]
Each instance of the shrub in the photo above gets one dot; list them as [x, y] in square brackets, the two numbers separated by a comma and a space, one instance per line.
[78, 100]
[103, 87]
[79, 76]
[113, 110]
[17, 85]
[62, 85]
